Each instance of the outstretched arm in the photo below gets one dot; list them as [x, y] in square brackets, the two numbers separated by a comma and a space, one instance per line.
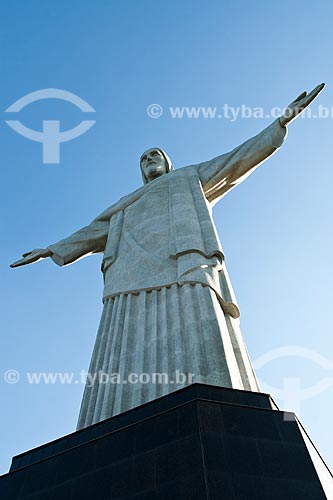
[223, 173]
[88, 240]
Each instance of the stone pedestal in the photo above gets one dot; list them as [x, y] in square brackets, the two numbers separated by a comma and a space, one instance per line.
[199, 443]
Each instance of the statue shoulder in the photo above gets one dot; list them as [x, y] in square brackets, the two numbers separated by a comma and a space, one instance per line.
[186, 170]
[120, 205]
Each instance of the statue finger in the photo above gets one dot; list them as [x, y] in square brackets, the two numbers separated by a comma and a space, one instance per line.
[34, 252]
[313, 94]
[27, 253]
[318, 89]
[18, 263]
[301, 96]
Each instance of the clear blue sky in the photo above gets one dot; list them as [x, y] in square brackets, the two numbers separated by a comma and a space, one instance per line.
[275, 228]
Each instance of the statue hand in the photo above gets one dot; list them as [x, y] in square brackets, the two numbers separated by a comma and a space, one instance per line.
[299, 104]
[33, 256]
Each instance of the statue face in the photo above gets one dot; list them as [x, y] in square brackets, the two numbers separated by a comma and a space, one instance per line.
[153, 164]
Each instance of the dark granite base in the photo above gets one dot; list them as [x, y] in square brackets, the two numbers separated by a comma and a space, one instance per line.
[201, 442]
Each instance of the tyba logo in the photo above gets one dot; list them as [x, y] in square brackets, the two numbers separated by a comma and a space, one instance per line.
[51, 137]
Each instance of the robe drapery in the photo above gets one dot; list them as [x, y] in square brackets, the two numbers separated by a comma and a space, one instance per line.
[168, 302]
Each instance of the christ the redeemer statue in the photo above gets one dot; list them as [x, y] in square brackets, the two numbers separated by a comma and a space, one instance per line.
[169, 307]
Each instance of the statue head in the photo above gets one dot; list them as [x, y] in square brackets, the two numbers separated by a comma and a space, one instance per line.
[153, 163]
